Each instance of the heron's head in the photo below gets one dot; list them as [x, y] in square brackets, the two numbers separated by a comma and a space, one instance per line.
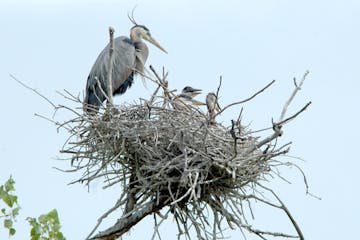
[192, 92]
[144, 33]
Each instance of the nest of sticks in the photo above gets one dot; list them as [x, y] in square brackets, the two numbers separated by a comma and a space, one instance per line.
[178, 161]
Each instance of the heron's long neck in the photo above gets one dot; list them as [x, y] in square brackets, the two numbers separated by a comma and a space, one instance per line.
[137, 40]
[142, 53]
[135, 35]
[141, 49]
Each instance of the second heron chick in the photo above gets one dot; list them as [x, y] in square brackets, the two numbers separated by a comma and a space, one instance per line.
[212, 103]
[212, 106]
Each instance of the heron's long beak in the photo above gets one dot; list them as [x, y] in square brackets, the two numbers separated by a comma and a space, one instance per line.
[154, 42]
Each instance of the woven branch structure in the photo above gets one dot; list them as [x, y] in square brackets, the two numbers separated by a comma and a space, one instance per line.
[174, 161]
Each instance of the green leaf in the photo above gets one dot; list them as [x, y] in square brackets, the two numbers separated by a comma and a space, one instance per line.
[32, 221]
[10, 200]
[9, 185]
[8, 223]
[46, 227]
[15, 212]
[35, 232]
[2, 192]
[53, 215]
[12, 231]
[58, 236]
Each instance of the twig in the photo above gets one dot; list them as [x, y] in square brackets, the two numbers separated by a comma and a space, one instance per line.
[116, 206]
[248, 99]
[162, 83]
[286, 210]
[150, 102]
[102, 91]
[233, 134]
[277, 130]
[34, 90]
[295, 115]
[111, 60]
[156, 75]
[217, 96]
[297, 88]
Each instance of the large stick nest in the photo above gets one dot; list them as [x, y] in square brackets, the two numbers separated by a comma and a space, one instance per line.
[174, 153]
[176, 158]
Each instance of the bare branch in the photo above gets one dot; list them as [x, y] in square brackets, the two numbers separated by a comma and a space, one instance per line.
[105, 215]
[123, 225]
[295, 115]
[34, 90]
[111, 61]
[246, 100]
[286, 210]
[297, 88]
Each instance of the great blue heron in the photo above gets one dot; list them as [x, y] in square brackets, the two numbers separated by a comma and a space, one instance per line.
[129, 56]
[212, 106]
[184, 100]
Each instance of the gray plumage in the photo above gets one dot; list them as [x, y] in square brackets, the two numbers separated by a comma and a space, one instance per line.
[129, 57]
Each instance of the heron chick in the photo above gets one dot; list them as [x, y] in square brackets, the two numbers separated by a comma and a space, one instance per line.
[184, 100]
[212, 106]
[129, 57]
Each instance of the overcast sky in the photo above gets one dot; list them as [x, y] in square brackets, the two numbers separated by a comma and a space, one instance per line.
[51, 46]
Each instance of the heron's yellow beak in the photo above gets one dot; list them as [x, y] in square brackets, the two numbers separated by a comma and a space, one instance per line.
[154, 42]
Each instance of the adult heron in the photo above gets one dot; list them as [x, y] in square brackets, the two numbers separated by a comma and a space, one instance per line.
[129, 57]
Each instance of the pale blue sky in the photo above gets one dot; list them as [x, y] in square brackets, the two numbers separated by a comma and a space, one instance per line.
[51, 45]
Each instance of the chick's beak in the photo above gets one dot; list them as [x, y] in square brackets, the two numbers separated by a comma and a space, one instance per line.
[196, 92]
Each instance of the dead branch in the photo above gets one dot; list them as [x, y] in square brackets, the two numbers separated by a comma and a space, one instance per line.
[283, 207]
[247, 99]
[111, 60]
[34, 90]
[297, 88]
[123, 225]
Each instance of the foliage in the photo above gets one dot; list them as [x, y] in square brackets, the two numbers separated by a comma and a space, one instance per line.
[46, 227]
[10, 211]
